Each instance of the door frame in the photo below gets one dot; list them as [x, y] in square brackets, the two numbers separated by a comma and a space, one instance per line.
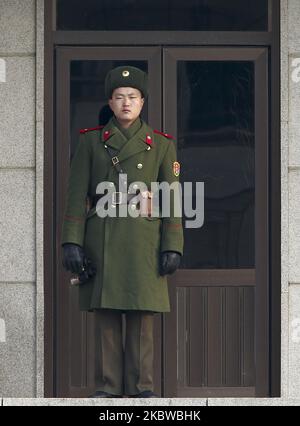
[269, 39]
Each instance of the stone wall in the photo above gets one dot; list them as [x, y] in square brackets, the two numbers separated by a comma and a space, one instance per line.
[18, 192]
[291, 119]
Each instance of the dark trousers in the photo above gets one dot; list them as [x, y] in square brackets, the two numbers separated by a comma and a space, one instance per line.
[124, 369]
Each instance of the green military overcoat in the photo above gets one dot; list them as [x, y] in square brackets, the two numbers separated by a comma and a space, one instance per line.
[125, 250]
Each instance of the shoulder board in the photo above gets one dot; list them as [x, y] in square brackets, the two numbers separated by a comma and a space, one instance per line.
[91, 128]
[164, 134]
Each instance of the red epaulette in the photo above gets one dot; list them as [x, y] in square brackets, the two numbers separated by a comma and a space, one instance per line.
[91, 128]
[164, 134]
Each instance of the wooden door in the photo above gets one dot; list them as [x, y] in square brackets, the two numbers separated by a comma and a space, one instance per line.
[80, 103]
[216, 104]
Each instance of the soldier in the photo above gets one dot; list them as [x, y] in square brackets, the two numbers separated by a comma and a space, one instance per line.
[132, 255]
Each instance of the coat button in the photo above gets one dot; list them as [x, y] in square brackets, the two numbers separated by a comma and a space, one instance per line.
[139, 166]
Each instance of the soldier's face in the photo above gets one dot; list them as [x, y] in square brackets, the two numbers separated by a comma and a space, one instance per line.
[126, 103]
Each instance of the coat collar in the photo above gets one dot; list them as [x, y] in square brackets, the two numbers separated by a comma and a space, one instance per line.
[140, 141]
[131, 131]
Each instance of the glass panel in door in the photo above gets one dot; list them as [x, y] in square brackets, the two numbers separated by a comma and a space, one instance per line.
[215, 139]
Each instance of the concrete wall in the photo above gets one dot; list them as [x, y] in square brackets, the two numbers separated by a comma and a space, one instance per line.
[21, 208]
[21, 147]
[291, 119]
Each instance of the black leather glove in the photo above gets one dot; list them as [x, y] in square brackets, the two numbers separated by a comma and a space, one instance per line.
[73, 258]
[169, 262]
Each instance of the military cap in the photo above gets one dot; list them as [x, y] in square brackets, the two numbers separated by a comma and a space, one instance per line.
[126, 76]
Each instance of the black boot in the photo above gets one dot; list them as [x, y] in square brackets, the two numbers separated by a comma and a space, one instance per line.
[103, 394]
[145, 394]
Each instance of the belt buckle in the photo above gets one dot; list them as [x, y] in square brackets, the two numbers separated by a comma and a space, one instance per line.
[147, 194]
[115, 160]
[116, 197]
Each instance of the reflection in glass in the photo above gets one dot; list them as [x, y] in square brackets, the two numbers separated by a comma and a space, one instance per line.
[216, 146]
[162, 15]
